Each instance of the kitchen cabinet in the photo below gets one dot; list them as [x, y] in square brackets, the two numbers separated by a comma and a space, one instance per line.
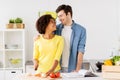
[12, 52]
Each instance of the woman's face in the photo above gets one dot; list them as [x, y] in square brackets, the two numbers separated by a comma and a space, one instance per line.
[51, 26]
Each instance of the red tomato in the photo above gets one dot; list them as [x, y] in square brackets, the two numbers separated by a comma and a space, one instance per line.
[52, 75]
[57, 74]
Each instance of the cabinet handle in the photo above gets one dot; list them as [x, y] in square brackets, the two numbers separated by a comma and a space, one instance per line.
[13, 72]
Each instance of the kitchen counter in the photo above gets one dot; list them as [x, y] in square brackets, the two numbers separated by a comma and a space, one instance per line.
[86, 78]
[23, 77]
[86, 64]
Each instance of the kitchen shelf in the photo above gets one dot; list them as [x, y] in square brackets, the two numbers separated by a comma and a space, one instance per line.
[12, 52]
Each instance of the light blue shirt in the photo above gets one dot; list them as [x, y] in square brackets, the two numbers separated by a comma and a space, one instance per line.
[77, 43]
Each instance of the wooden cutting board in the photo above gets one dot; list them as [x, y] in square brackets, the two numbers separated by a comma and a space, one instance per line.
[26, 77]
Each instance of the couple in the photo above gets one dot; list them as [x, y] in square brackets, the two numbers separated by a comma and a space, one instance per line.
[51, 50]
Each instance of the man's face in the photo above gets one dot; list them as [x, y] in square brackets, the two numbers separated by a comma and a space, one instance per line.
[62, 17]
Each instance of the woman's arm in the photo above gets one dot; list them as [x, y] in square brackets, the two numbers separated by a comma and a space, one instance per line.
[35, 56]
[55, 63]
[57, 56]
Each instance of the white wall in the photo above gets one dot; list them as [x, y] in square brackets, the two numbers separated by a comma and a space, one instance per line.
[99, 17]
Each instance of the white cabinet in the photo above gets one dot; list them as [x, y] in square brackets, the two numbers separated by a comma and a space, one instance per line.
[12, 51]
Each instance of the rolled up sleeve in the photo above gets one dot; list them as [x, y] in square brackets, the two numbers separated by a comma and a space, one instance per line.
[82, 42]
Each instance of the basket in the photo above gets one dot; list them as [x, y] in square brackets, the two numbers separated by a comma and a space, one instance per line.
[10, 26]
[20, 25]
[15, 26]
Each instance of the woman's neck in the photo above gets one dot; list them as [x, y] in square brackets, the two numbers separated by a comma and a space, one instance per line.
[48, 35]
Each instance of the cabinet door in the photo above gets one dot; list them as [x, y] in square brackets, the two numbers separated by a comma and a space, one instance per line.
[12, 74]
[2, 75]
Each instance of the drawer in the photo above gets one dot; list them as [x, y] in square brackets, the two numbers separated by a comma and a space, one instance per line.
[12, 74]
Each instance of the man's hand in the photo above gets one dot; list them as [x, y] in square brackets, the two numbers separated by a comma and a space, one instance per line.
[36, 37]
[75, 71]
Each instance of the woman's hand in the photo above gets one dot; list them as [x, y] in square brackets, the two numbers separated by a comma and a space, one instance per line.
[35, 64]
[55, 63]
[50, 71]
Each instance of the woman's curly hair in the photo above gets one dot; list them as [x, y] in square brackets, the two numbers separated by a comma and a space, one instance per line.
[43, 22]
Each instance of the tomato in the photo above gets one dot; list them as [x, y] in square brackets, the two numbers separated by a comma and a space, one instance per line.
[57, 74]
[52, 75]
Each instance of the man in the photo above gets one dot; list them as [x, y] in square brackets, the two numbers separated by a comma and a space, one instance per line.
[74, 38]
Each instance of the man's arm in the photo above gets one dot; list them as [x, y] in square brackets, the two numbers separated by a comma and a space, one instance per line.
[79, 61]
[81, 49]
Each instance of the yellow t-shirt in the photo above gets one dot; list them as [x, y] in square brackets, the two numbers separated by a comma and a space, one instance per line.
[46, 51]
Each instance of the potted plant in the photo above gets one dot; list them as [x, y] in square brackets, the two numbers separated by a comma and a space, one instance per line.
[19, 23]
[11, 23]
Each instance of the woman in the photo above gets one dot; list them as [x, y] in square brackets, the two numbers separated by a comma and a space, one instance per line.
[48, 48]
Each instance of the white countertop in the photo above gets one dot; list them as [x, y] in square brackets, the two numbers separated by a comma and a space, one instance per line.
[63, 78]
[86, 78]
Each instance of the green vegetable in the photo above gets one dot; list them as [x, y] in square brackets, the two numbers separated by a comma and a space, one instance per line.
[18, 20]
[115, 59]
[11, 21]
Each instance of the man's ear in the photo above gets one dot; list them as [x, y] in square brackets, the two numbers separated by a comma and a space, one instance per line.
[69, 14]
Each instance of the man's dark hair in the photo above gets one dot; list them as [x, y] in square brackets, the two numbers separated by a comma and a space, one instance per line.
[43, 22]
[66, 8]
